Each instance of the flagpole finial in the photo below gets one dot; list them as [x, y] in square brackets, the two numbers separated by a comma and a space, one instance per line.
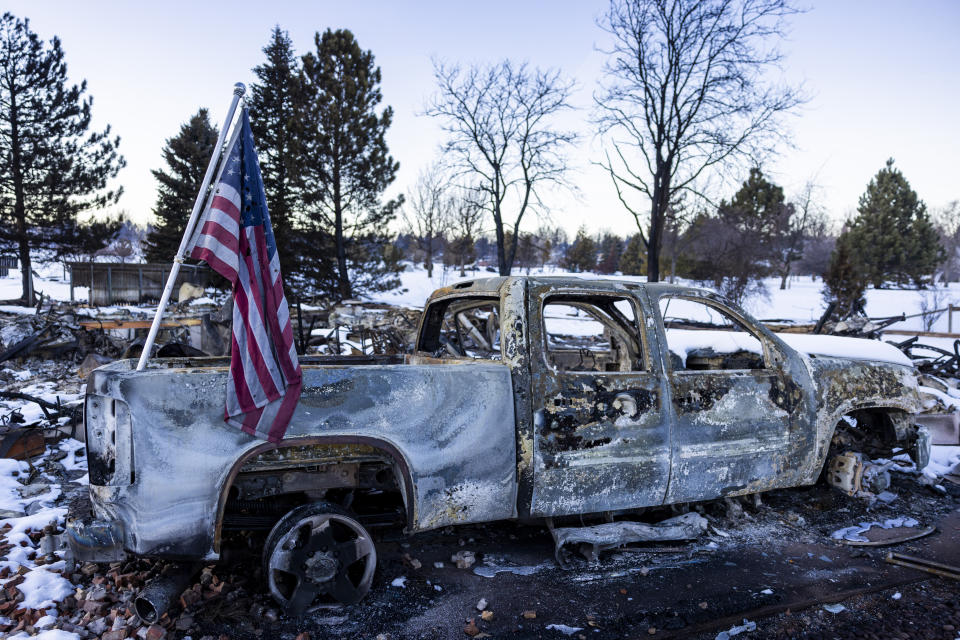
[239, 89]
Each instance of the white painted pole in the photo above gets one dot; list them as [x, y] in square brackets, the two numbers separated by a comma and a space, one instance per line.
[238, 90]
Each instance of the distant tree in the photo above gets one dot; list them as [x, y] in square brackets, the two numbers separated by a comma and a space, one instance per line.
[686, 92]
[611, 246]
[582, 253]
[792, 225]
[555, 244]
[845, 280]
[892, 235]
[51, 166]
[276, 104]
[739, 245]
[818, 246]
[96, 236]
[546, 237]
[99, 236]
[633, 259]
[948, 226]
[466, 215]
[426, 212]
[186, 155]
[345, 168]
[528, 251]
[501, 136]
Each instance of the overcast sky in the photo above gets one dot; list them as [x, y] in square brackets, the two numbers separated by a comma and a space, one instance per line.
[883, 77]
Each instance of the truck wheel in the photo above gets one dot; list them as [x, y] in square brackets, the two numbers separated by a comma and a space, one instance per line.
[318, 556]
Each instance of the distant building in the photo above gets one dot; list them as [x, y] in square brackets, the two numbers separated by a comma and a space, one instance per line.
[114, 282]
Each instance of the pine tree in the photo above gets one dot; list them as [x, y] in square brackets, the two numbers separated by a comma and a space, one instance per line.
[51, 166]
[632, 261]
[845, 279]
[737, 246]
[275, 107]
[892, 236]
[187, 155]
[611, 247]
[582, 253]
[346, 167]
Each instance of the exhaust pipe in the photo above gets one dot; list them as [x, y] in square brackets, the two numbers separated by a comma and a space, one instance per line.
[162, 591]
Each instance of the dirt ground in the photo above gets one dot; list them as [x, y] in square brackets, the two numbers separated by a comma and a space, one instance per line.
[774, 565]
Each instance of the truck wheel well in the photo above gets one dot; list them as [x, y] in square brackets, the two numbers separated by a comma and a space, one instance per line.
[875, 426]
[361, 474]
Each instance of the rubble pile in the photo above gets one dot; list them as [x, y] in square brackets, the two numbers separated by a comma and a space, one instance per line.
[356, 327]
[53, 332]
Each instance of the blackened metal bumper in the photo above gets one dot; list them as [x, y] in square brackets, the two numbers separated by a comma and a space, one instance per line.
[95, 540]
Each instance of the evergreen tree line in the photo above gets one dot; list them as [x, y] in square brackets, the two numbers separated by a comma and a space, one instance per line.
[320, 133]
[892, 241]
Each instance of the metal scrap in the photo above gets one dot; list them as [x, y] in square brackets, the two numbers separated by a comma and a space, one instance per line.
[922, 564]
[595, 539]
[936, 362]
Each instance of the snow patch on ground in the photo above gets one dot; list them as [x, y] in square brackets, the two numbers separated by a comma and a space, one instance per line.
[943, 459]
[43, 588]
[564, 629]
[42, 585]
[854, 533]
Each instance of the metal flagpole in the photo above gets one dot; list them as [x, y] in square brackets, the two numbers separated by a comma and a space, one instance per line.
[238, 90]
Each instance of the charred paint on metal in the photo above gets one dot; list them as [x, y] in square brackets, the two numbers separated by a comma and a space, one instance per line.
[471, 454]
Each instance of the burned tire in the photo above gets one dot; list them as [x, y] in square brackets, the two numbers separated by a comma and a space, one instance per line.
[318, 556]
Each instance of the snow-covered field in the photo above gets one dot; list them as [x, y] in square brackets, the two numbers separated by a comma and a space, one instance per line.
[802, 302]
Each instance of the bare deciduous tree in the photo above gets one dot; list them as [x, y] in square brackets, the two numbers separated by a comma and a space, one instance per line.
[426, 213]
[686, 93]
[466, 213]
[498, 119]
[792, 228]
[947, 221]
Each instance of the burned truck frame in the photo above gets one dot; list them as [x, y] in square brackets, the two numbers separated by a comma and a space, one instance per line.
[526, 398]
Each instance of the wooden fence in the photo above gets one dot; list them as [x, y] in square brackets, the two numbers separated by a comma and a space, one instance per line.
[111, 282]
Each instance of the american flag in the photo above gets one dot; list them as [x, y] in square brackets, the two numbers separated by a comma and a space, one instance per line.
[235, 238]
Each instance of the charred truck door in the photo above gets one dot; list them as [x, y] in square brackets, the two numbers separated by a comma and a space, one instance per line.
[601, 440]
[738, 414]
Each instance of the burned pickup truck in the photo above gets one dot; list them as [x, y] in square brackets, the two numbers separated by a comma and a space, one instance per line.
[525, 398]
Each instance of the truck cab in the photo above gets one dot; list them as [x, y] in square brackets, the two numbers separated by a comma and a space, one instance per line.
[631, 395]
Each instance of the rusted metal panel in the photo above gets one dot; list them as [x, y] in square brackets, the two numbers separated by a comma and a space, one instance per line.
[448, 422]
[481, 440]
[738, 431]
[601, 439]
[844, 386]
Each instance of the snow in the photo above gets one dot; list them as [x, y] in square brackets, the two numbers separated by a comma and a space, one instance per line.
[42, 585]
[943, 459]
[834, 608]
[42, 588]
[843, 347]
[53, 634]
[14, 309]
[736, 630]
[854, 533]
[683, 342]
[400, 582]
[10, 499]
[564, 629]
